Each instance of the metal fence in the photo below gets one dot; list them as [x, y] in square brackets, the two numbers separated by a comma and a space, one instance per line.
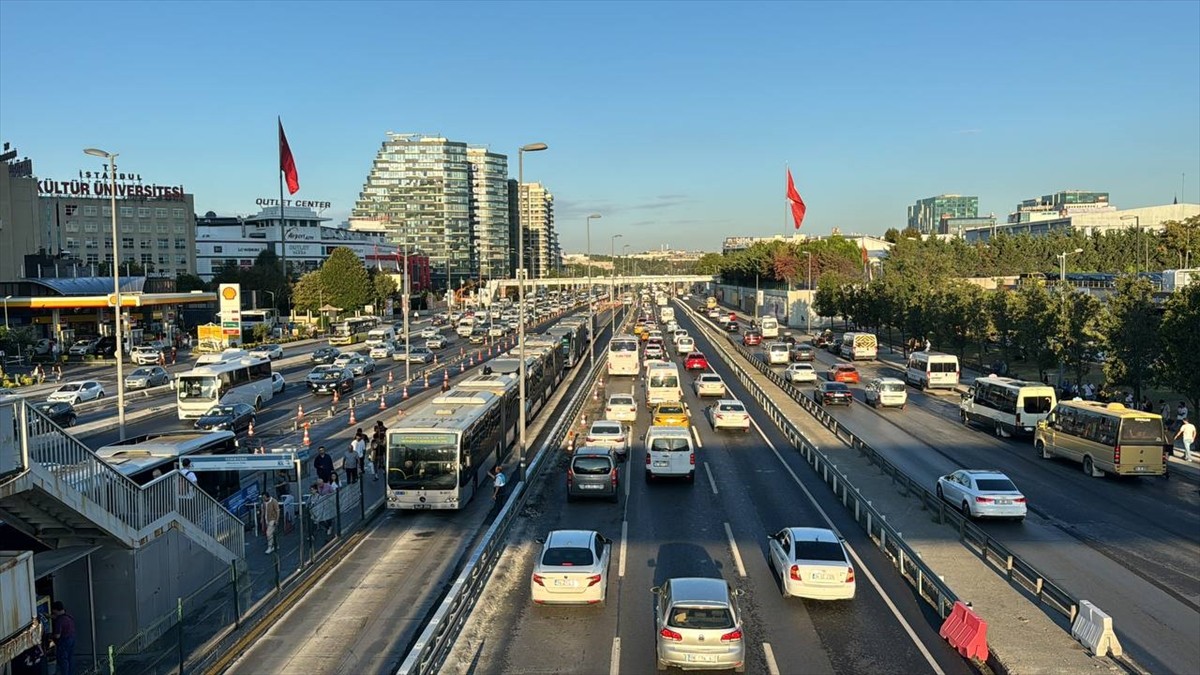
[993, 552]
[435, 642]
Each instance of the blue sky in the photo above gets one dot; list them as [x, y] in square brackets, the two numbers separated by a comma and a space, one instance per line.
[672, 120]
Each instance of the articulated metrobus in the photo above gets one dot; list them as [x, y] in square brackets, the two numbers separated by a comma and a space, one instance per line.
[353, 330]
[623, 356]
[244, 380]
[145, 458]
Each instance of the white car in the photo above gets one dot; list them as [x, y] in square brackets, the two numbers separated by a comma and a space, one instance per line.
[145, 355]
[729, 413]
[278, 384]
[679, 334]
[496, 330]
[382, 350]
[621, 408]
[572, 568]
[268, 351]
[685, 345]
[76, 392]
[982, 494]
[429, 333]
[654, 350]
[709, 384]
[650, 363]
[800, 372]
[608, 434]
[811, 563]
[436, 342]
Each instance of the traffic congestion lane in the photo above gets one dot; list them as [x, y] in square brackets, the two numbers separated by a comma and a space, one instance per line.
[1134, 565]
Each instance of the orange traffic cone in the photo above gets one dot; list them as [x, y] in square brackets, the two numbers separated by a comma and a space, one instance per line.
[336, 397]
[300, 412]
[353, 420]
[426, 379]
[368, 384]
[446, 380]
[389, 377]
[383, 403]
[405, 396]
[250, 431]
[307, 442]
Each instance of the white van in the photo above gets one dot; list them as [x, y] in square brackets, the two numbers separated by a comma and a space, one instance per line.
[859, 346]
[778, 353]
[669, 453]
[376, 337]
[685, 345]
[886, 392]
[927, 370]
[231, 354]
[663, 384]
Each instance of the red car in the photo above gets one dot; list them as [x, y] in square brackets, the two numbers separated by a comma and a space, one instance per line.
[844, 373]
[751, 338]
[695, 361]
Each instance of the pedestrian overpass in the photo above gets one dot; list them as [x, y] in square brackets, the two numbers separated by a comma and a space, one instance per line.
[497, 287]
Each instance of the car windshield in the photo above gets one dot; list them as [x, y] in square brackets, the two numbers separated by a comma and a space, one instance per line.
[1038, 405]
[620, 400]
[220, 411]
[203, 387]
[995, 485]
[836, 386]
[670, 444]
[731, 407]
[669, 410]
[700, 618]
[140, 372]
[567, 556]
[70, 387]
[828, 551]
[592, 465]
[1142, 431]
[892, 386]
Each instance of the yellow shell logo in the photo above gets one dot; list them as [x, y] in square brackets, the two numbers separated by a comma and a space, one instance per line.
[229, 293]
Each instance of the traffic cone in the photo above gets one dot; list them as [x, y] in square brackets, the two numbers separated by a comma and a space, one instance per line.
[405, 396]
[446, 380]
[389, 377]
[250, 431]
[307, 442]
[336, 397]
[300, 412]
[383, 403]
[426, 379]
[368, 384]
[435, 359]
[353, 420]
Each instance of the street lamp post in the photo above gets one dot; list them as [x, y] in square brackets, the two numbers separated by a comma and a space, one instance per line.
[120, 353]
[612, 287]
[405, 299]
[591, 302]
[532, 147]
[6, 299]
[1062, 267]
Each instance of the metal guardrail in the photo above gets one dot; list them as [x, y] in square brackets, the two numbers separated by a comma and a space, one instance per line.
[435, 642]
[989, 549]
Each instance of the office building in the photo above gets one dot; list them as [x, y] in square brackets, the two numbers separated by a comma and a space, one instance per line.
[535, 209]
[926, 215]
[489, 211]
[732, 244]
[19, 233]
[1088, 221]
[1060, 205]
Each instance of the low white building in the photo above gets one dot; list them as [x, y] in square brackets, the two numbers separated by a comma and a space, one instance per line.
[1101, 221]
[222, 241]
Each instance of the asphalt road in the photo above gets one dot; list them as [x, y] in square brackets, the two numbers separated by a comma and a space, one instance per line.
[744, 489]
[1129, 545]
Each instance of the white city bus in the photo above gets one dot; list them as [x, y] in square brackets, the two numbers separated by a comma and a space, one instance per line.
[1006, 406]
[769, 326]
[245, 380]
[623, 356]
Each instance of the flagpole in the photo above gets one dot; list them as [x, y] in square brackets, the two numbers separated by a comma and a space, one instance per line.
[787, 204]
[282, 221]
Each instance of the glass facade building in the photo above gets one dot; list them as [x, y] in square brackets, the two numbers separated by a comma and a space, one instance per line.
[489, 212]
[926, 215]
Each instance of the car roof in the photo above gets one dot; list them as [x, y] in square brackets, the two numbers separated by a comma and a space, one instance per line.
[813, 534]
[593, 451]
[570, 538]
[984, 473]
[710, 376]
[669, 431]
[695, 355]
[731, 400]
[890, 380]
[699, 589]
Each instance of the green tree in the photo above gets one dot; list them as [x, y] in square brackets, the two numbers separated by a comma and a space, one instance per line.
[1037, 325]
[910, 232]
[826, 300]
[1179, 366]
[345, 281]
[1076, 341]
[383, 288]
[1005, 310]
[709, 263]
[891, 235]
[1132, 340]
[186, 283]
[307, 293]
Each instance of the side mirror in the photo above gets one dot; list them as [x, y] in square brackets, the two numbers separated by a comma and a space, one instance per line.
[540, 540]
[656, 590]
[737, 592]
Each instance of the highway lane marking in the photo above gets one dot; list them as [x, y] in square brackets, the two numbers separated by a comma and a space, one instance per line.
[737, 555]
[614, 665]
[696, 435]
[711, 482]
[624, 542]
[772, 667]
[912, 634]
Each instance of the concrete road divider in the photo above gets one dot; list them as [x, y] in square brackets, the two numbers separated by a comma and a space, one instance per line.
[966, 631]
[110, 422]
[1094, 630]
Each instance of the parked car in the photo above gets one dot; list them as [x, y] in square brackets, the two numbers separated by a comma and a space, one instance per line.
[833, 393]
[609, 434]
[267, 351]
[709, 384]
[621, 408]
[697, 624]
[77, 392]
[327, 379]
[61, 412]
[695, 361]
[105, 347]
[844, 372]
[145, 355]
[572, 568]
[278, 384]
[982, 494]
[812, 563]
[729, 413]
[147, 376]
[886, 392]
[232, 417]
[325, 355]
[593, 472]
[83, 347]
[800, 372]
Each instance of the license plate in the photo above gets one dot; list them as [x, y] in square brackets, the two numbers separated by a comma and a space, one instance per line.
[821, 576]
[591, 487]
[421, 506]
[1139, 468]
[702, 658]
[660, 464]
[1004, 502]
[565, 583]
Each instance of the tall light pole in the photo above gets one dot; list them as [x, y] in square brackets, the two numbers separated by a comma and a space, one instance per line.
[625, 255]
[6, 299]
[116, 272]
[808, 305]
[1062, 269]
[588, 295]
[532, 147]
[1137, 242]
[612, 287]
[407, 302]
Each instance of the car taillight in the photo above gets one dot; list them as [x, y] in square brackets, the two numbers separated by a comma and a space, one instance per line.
[849, 575]
[647, 459]
[593, 580]
[983, 500]
[613, 474]
[732, 636]
[537, 579]
[1019, 500]
[794, 573]
[1117, 455]
[692, 458]
[570, 476]
[669, 634]
[1017, 421]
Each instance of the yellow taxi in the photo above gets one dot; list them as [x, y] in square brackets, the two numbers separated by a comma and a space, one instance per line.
[670, 415]
[646, 330]
[639, 328]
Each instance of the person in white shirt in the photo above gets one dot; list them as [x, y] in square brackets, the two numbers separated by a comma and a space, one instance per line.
[1187, 433]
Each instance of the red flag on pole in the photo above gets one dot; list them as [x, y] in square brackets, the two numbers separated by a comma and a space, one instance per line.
[798, 207]
[287, 163]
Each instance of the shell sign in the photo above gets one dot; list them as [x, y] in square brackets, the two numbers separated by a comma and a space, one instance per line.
[231, 302]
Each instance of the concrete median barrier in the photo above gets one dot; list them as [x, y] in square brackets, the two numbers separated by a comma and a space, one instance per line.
[1093, 629]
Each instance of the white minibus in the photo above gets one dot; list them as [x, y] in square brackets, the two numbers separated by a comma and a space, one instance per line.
[928, 370]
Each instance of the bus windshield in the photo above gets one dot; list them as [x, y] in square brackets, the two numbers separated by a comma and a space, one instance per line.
[197, 387]
[422, 460]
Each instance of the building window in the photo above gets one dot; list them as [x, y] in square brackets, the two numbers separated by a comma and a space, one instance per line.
[90, 227]
[126, 211]
[143, 212]
[181, 260]
[179, 229]
[177, 213]
[89, 243]
[106, 211]
[163, 243]
[164, 229]
[89, 210]
[145, 228]
[144, 244]
[70, 244]
[147, 258]
[164, 259]
[218, 249]
[247, 263]
[92, 259]
[126, 242]
[72, 227]
[108, 258]
[180, 245]
[126, 227]
[108, 242]
[160, 213]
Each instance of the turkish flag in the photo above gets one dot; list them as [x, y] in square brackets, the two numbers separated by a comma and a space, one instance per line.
[798, 207]
[287, 163]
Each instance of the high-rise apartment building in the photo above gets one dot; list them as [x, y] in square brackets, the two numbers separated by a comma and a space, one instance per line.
[420, 189]
[535, 210]
[926, 215]
[489, 211]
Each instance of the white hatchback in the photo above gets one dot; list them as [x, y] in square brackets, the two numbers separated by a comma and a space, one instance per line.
[571, 569]
[709, 384]
[76, 392]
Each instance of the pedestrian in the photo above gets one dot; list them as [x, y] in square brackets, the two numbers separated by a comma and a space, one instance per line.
[283, 485]
[1181, 413]
[63, 638]
[271, 517]
[928, 345]
[319, 509]
[58, 373]
[40, 373]
[1187, 434]
[334, 483]
[323, 487]
[501, 482]
[350, 464]
[1165, 411]
[323, 464]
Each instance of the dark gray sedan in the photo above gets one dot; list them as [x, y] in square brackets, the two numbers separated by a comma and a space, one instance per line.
[234, 417]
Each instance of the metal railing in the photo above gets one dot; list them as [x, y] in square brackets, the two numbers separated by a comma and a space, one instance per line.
[989, 549]
[435, 642]
[141, 508]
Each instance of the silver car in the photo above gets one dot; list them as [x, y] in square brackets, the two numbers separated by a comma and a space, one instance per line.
[148, 376]
[710, 384]
[980, 494]
[698, 626]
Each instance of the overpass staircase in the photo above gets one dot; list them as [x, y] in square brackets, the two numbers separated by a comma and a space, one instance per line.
[55, 489]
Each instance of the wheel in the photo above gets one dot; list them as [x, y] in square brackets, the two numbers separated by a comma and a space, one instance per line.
[71, 421]
[1089, 467]
[999, 431]
[1040, 446]
[966, 510]
[740, 669]
[258, 403]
